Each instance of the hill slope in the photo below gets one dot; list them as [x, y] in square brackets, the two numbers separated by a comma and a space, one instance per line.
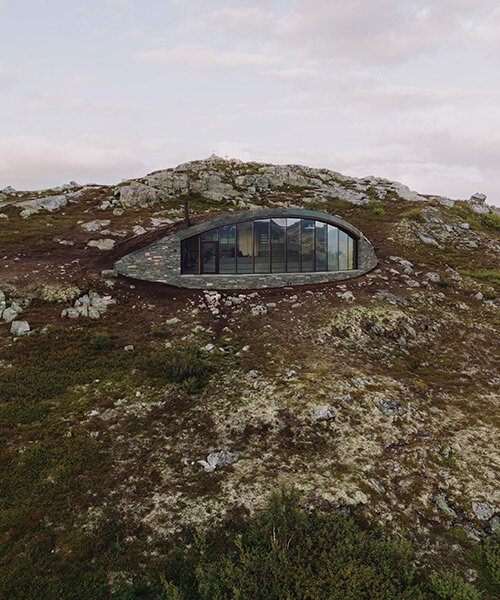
[166, 409]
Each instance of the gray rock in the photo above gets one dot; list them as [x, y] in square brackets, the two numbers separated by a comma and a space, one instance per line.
[105, 205]
[93, 313]
[478, 296]
[102, 244]
[95, 225]
[443, 505]
[72, 313]
[349, 296]
[218, 459]
[432, 277]
[323, 412]
[9, 314]
[19, 327]
[390, 408]
[208, 347]
[257, 311]
[464, 226]
[483, 510]
[427, 239]
[477, 197]
[390, 297]
[495, 525]
[138, 230]
[172, 321]
[136, 194]
[49, 203]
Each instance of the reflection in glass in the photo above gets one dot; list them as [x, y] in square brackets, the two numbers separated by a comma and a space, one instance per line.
[227, 249]
[278, 237]
[189, 253]
[343, 251]
[333, 248]
[211, 234]
[307, 233]
[293, 245]
[244, 250]
[209, 257]
[277, 245]
[351, 261]
[321, 246]
[262, 253]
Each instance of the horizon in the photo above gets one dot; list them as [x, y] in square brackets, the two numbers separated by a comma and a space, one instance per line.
[113, 90]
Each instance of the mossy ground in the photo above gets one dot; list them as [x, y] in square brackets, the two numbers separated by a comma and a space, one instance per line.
[100, 448]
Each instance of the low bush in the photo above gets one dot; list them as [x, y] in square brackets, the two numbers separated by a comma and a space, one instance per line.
[491, 220]
[187, 367]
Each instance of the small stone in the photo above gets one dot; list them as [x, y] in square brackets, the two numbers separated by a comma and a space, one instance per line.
[390, 408]
[427, 239]
[478, 296]
[172, 321]
[443, 505]
[349, 296]
[495, 525]
[432, 277]
[208, 347]
[324, 412]
[257, 311]
[94, 313]
[483, 510]
[19, 327]
[95, 225]
[218, 459]
[129, 347]
[102, 244]
[9, 314]
[138, 230]
[464, 226]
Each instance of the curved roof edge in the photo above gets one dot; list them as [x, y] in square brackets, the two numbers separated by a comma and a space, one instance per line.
[262, 213]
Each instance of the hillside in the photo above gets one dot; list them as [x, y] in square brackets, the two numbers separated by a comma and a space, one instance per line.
[137, 412]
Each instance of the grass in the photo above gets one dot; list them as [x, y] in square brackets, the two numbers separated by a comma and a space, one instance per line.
[488, 275]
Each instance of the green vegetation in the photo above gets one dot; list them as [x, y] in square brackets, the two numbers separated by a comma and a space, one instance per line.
[415, 214]
[489, 275]
[45, 366]
[187, 367]
[491, 220]
[282, 552]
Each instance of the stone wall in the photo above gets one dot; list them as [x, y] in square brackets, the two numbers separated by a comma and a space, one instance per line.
[161, 260]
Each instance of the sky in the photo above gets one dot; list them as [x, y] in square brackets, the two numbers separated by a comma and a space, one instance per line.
[105, 90]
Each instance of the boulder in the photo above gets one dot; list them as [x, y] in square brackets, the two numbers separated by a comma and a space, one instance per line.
[19, 327]
[483, 510]
[218, 459]
[9, 314]
[427, 238]
[102, 244]
[323, 412]
[257, 311]
[95, 225]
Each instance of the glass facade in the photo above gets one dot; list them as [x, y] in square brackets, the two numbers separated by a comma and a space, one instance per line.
[276, 245]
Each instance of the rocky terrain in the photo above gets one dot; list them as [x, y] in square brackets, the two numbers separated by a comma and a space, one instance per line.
[379, 395]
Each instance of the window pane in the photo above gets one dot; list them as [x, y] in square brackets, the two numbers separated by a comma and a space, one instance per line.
[307, 245]
[189, 253]
[278, 237]
[352, 258]
[343, 250]
[211, 234]
[321, 246]
[262, 246]
[244, 247]
[333, 248]
[293, 245]
[209, 257]
[227, 249]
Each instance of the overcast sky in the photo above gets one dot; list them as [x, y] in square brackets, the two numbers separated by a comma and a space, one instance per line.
[100, 90]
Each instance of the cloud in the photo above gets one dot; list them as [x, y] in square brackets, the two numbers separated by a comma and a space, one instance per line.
[7, 75]
[233, 22]
[50, 101]
[199, 56]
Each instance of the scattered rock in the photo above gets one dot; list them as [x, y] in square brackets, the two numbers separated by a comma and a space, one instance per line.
[323, 412]
[477, 197]
[390, 408]
[483, 510]
[138, 230]
[442, 504]
[102, 244]
[19, 327]
[95, 225]
[377, 485]
[427, 238]
[218, 459]
[432, 277]
[464, 226]
[495, 525]
[257, 311]
[172, 321]
[390, 297]
[9, 314]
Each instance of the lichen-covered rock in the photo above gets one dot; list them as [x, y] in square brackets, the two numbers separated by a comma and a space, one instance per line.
[57, 292]
[102, 244]
[19, 327]
[483, 510]
[137, 194]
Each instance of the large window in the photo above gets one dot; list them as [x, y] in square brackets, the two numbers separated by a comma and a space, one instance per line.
[276, 245]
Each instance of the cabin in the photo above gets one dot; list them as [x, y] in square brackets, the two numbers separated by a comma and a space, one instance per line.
[255, 249]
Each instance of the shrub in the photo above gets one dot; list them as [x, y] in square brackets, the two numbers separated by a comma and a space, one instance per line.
[415, 214]
[187, 367]
[491, 220]
[450, 586]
